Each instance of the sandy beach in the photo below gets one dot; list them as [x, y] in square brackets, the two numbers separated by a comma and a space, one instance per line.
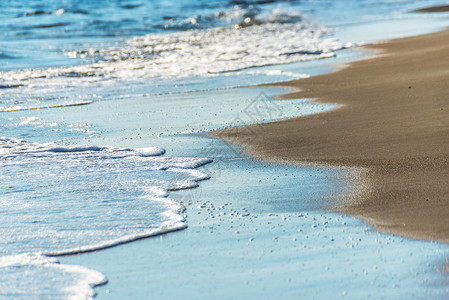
[113, 188]
[393, 120]
[434, 9]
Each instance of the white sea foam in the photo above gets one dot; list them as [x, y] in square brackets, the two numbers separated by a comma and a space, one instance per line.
[25, 124]
[276, 37]
[286, 38]
[100, 197]
[28, 121]
[93, 181]
[56, 281]
[18, 147]
[150, 151]
[278, 73]
[36, 105]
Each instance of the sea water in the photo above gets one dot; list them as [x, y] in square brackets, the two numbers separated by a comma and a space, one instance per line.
[101, 104]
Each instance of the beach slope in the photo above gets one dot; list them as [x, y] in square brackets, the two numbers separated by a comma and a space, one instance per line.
[393, 120]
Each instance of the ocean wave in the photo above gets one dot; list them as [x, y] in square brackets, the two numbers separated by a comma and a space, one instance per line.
[38, 105]
[52, 25]
[88, 182]
[56, 281]
[10, 86]
[275, 39]
[6, 55]
[57, 12]
[266, 38]
[100, 197]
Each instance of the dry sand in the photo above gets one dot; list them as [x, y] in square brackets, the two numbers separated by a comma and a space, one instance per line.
[393, 120]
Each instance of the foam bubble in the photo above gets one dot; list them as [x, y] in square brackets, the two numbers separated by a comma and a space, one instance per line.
[56, 281]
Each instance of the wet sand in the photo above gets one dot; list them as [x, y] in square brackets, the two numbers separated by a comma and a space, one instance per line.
[434, 9]
[393, 120]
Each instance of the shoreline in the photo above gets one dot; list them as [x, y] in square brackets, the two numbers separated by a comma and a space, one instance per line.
[268, 245]
[433, 9]
[265, 229]
[273, 232]
[393, 121]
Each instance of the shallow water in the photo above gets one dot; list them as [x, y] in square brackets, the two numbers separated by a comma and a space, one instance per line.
[90, 92]
[256, 233]
[260, 228]
[37, 33]
[159, 47]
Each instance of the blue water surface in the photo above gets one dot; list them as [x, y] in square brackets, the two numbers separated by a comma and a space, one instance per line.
[80, 72]
[35, 33]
